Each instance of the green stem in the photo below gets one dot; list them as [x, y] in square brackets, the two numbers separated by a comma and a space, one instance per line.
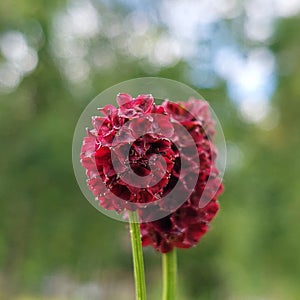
[169, 265]
[137, 254]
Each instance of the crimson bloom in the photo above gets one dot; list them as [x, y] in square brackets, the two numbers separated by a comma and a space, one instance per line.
[184, 227]
[140, 153]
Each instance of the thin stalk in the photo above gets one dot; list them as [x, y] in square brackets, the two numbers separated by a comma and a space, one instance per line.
[169, 267]
[137, 255]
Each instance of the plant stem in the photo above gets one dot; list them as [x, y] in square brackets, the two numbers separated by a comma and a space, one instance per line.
[169, 265]
[137, 255]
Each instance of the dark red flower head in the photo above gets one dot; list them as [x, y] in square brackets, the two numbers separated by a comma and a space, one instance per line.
[160, 156]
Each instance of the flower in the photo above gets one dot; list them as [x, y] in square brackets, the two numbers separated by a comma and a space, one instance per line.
[125, 143]
[184, 227]
[141, 154]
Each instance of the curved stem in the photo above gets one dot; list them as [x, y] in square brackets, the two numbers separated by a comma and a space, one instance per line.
[137, 255]
[169, 265]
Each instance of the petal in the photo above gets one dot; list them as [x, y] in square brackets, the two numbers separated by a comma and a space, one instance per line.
[123, 98]
[107, 110]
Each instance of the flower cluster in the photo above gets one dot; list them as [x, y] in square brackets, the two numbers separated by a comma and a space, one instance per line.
[125, 143]
[139, 152]
[184, 227]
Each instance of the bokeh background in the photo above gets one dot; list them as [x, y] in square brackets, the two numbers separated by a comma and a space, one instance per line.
[56, 56]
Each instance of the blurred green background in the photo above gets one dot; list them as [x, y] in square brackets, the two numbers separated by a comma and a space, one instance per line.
[56, 56]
